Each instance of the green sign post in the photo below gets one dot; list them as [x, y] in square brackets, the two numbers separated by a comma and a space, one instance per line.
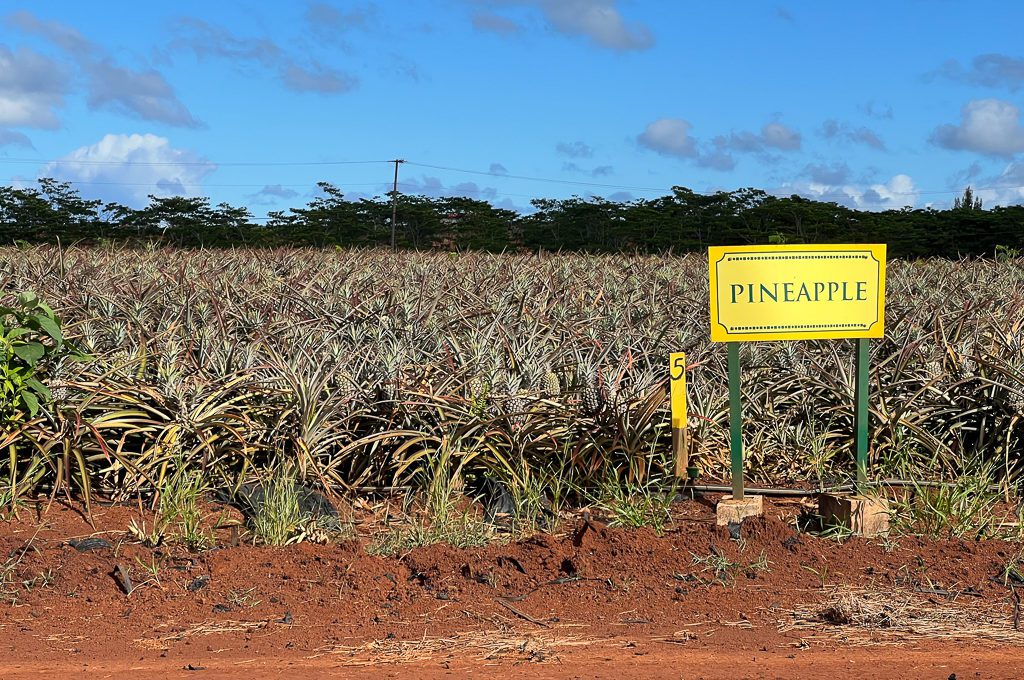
[798, 292]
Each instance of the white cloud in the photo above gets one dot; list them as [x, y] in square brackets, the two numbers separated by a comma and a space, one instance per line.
[575, 149]
[327, 21]
[12, 138]
[137, 93]
[1006, 188]
[278, 191]
[598, 20]
[987, 70]
[876, 110]
[494, 23]
[718, 157]
[772, 135]
[898, 192]
[435, 188]
[669, 137]
[988, 126]
[835, 174]
[141, 93]
[836, 130]
[127, 168]
[779, 136]
[32, 88]
[207, 41]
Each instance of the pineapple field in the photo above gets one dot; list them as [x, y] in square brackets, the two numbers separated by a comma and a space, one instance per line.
[430, 461]
[371, 369]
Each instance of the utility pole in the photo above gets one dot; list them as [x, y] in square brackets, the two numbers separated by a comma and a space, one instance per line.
[394, 201]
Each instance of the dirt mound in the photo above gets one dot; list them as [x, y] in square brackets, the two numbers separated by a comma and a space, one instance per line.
[694, 585]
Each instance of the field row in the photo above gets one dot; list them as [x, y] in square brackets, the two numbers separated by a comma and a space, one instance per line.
[367, 368]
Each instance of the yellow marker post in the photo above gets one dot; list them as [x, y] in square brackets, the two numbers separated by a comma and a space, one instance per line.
[680, 443]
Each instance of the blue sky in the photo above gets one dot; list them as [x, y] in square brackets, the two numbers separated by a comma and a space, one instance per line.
[871, 104]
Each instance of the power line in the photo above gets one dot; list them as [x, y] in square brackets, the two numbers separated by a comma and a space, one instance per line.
[534, 179]
[778, 192]
[205, 186]
[69, 161]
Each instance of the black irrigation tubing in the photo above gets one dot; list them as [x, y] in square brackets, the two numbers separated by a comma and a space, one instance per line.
[722, 488]
[796, 493]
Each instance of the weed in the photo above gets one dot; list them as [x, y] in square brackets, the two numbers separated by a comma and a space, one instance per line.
[1013, 570]
[836, 532]
[463, 530]
[539, 498]
[151, 538]
[965, 507]
[725, 570]
[45, 579]
[178, 513]
[278, 518]
[446, 515]
[152, 570]
[822, 573]
[636, 505]
[8, 588]
[243, 598]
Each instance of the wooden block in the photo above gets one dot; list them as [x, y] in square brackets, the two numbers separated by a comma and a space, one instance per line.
[862, 515]
[732, 510]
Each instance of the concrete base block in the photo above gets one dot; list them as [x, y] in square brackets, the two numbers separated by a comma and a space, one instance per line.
[862, 515]
[733, 510]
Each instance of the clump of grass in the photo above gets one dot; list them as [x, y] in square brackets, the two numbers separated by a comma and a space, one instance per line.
[462, 530]
[636, 505]
[725, 570]
[151, 569]
[12, 488]
[179, 515]
[538, 497]
[278, 518]
[447, 515]
[8, 586]
[964, 507]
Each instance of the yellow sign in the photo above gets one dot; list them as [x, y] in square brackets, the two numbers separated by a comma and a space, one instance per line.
[799, 292]
[677, 373]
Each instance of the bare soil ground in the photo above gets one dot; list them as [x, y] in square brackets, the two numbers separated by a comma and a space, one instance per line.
[590, 602]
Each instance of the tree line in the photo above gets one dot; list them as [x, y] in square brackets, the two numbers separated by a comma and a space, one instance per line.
[681, 221]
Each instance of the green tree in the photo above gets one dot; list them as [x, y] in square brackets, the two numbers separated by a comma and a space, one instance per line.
[968, 201]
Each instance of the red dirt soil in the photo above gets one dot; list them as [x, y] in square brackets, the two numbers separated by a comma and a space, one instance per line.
[592, 602]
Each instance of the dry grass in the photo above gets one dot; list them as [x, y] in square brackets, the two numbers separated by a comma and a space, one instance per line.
[871, 616]
[483, 645]
[199, 630]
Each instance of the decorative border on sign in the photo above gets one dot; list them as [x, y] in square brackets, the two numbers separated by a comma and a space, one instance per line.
[800, 255]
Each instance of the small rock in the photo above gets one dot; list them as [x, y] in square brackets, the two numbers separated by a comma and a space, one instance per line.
[198, 583]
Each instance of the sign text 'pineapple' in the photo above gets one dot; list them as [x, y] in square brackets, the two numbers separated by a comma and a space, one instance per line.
[797, 292]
